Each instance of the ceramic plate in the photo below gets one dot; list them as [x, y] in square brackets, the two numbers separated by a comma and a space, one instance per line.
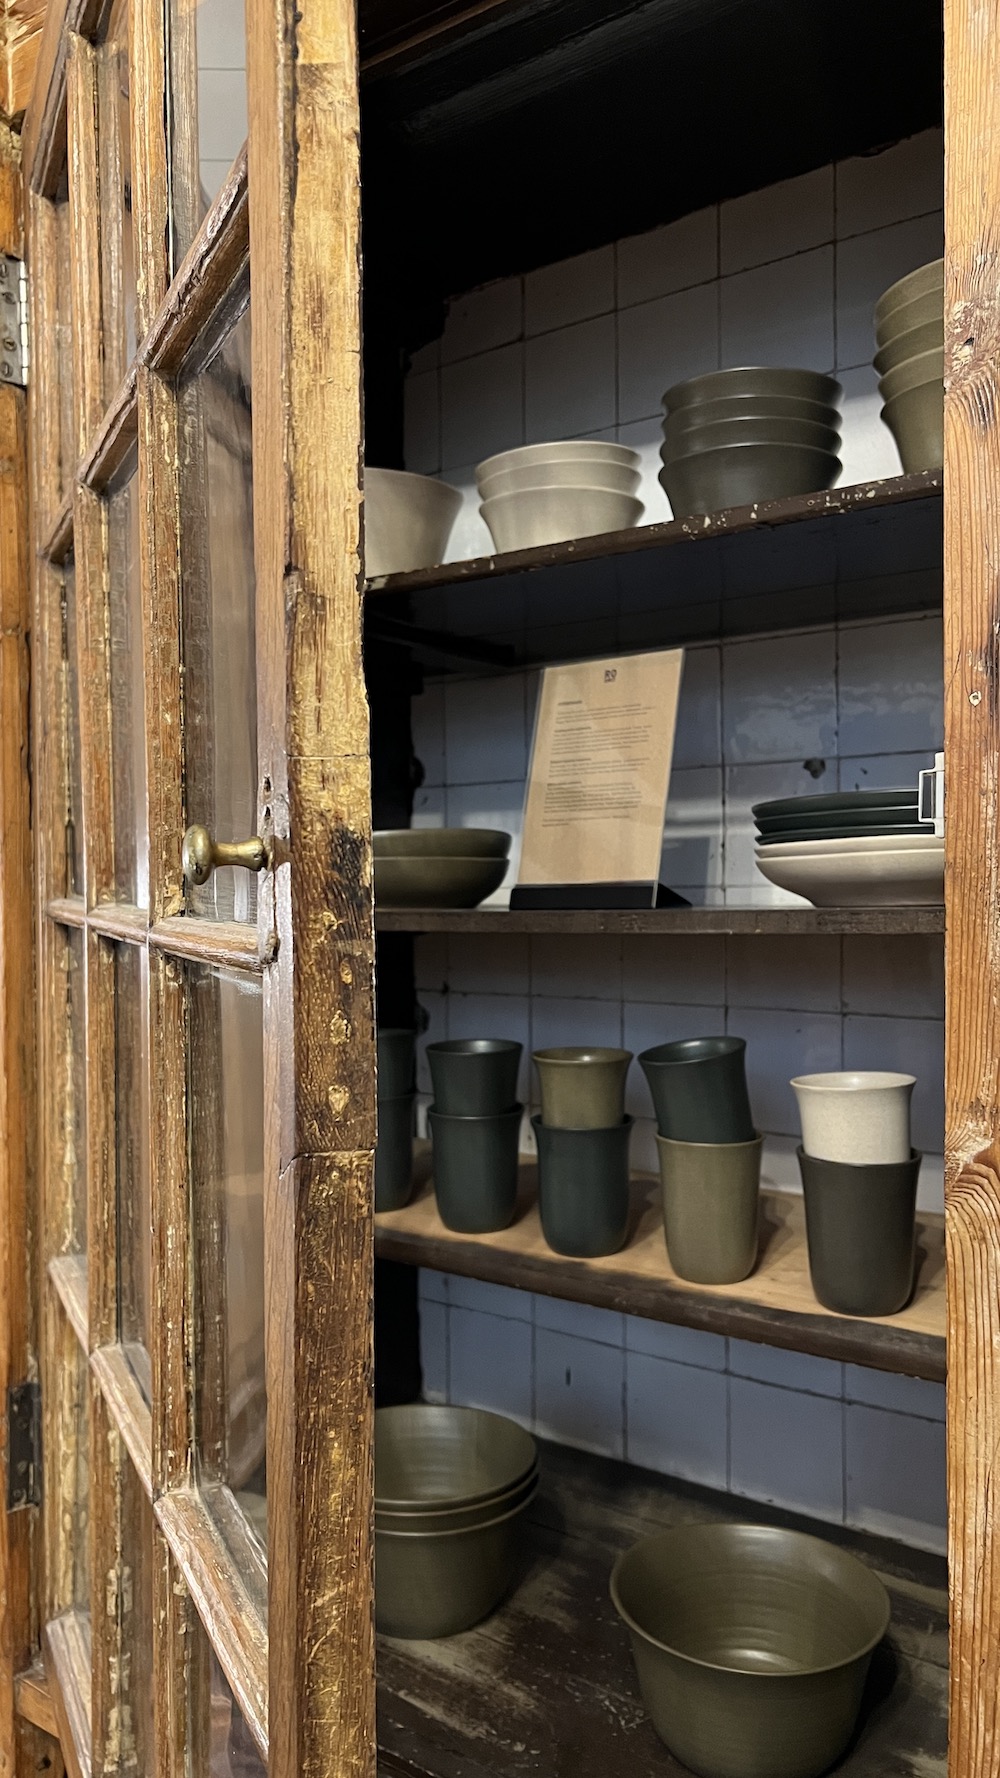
[799, 836]
[838, 800]
[873, 879]
[856, 845]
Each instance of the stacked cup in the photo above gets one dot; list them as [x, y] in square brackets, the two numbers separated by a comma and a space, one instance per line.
[859, 1176]
[709, 1157]
[551, 493]
[583, 1140]
[394, 1151]
[909, 328]
[475, 1122]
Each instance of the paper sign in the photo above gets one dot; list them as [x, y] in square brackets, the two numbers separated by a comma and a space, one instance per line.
[600, 770]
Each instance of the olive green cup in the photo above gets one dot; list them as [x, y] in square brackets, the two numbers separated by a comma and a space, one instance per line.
[436, 1583]
[751, 1644]
[475, 1170]
[711, 1206]
[699, 1089]
[474, 1076]
[582, 1088]
[583, 1188]
[394, 1153]
[861, 1230]
[396, 1062]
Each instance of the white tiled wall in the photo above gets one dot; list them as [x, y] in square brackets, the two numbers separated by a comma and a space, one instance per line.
[847, 1445]
[220, 27]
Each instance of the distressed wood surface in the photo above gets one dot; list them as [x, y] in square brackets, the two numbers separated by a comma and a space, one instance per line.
[66, 1650]
[34, 1700]
[68, 1272]
[792, 921]
[127, 1408]
[115, 437]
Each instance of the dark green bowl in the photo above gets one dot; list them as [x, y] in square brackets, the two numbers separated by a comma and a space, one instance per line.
[474, 1076]
[861, 1229]
[699, 1089]
[475, 1170]
[583, 1188]
[441, 842]
[429, 1456]
[394, 1153]
[396, 1061]
[756, 380]
[745, 474]
[751, 1644]
[436, 1583]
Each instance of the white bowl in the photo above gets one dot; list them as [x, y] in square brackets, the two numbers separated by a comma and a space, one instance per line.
[538, 516]
[567, 472]
[857, 844]
[560, 451]
[408, 520]
[861, 1118]
[867, 880]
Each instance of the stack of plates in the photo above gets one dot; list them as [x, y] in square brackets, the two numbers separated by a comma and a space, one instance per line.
[552, 493]
[854, 848]
[438, 867]
[909, 327]
[733, 437]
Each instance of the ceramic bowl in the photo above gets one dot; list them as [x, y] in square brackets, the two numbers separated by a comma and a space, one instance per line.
[920, 309]
[570, 450]
[615, 478]
[396, 1061]
[891, 877]
[436, 882]
[751, 1645]
[742, 475]
[582, 1088]
[860, 1117]
[475, 1169]
[441, 842]
[927, 367]
[583, 1188]
[457, 1518]
[537, 516]
[474, 1076]
[755, 407]
[436, 1583]
[756, 380]
[408, 520]
[710, 1194]
[685, 440]
[910, 344]
[394, 1153]
[430, 1456]
[699, 1089]
[916, 420]
[861, 1230]
[927, 280]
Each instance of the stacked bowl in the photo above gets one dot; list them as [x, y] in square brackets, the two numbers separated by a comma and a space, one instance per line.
[475, 1126]
[451, 1489]
[438, 867]
[408, 521]
[552, 493]
[851, 848]
[583, 1143]
[396, 1093]
[909, 329]
[733, 437]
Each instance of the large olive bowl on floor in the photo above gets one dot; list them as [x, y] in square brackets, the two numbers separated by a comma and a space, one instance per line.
[752, 1645]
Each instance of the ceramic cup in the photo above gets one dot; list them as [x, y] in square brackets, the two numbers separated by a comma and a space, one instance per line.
[474, 1076]
[583, 1188]
[475, 1170]
[699, 1089]
[711, 1196]
[394, 1153]
[582, 1088]
[861, 1230]
[396, 1062]
[862, 1119]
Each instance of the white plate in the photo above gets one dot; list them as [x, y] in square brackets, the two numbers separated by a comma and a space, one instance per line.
[857, 846]
[871, 880]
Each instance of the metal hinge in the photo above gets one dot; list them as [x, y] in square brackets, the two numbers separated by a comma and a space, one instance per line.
[24, 1446]
[13, 321]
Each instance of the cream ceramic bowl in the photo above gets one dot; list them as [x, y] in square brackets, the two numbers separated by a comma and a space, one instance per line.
[408, 520]
[861, 1119]
[857, 845]
[536, 516]
[890, 878]
[560, 472]
[570, 450]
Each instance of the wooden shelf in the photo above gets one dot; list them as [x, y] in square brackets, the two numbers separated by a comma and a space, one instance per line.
[546, 1685]
[664, 922]
[775, 1306]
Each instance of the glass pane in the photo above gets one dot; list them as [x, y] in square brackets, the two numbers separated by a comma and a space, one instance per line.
[132, 1134]
[219, 617]
[74, 1156]
[232, 1749]
[118, 269]
[74, 770]
[210, 108]
[226, 1096]
[64, 358]
[128, 740]
[137, 1540]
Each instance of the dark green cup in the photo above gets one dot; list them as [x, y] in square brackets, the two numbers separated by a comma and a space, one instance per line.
[394, 1153]
[396, 1062]
[474, 1076]
[699, 1089]
[583, 1189]
[475, 1170]
[711, 1207]
[861, 1228]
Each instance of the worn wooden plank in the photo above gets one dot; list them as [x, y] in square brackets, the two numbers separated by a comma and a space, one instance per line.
[66, 1649]
[210, 284]
[129, 1411]
[34, 1701]
[790, 921]
[68, 1272]
[115, 437]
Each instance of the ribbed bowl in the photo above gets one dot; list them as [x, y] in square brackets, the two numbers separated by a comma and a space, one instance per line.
[742, 475]
[613, 478]
[927, 280]
[688, 441]
[757, 380]
[928, 337]
[921, 309]
[436, 1583]
[926, 367]
[754, 407]
[570, 450]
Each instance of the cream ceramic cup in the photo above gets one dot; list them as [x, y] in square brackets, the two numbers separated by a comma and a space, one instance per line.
[862, 1119]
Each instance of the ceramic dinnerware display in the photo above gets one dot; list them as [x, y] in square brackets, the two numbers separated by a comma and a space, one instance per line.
[699, 1089]
[780, 436]
[751, 1644]
[552, 493]
[858, 1116]
[583, 1188]
[396, 1096]
[438, 866]
[451, 1488]
[711, 1205]
[408, 520]
[851, 848]
[909, 329]
[582, 1088]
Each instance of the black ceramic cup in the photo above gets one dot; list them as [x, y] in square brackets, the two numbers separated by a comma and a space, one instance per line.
[474, 1076]
[861, 1229]
[396, 1062]
[699, 1089]
[475, 1169]
[583, 1192]
[394, 1153]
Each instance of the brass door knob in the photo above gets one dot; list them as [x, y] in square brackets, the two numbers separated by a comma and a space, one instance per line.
[201, 855]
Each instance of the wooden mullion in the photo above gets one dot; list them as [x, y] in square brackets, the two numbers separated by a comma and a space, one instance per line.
[198, 309]
[129, 1411]
[49, 448]
[112, 221]
[67, 910]
[223, 944]
[120, 920]
[68, 1275]
[108, 451]
[67, 1667]
[151, 217]
[85, 243]
[57, 542]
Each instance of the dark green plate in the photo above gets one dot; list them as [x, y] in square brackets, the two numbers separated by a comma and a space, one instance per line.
[839, 800]
[803, 835]
[855, 820]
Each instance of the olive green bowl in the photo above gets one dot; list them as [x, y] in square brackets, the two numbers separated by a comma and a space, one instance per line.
[436, 882]
[459, 1518]
[916, 420]
[751, 1645]
[920, 309]
[759, 380]
[688, 439]
[909, 344]
[926, 280]
[441, 842]
[742, 475]
[926, 367]
[754, 407]
[429, 1457]
[436, 1583]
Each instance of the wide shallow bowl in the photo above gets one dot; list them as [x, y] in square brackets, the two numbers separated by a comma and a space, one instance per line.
[582, 1087]
[857, 1116]
[916, 420]
[845, 844]
[861, 1232]
[829, 800]
[429, 1457]
[887, 878]
[614, 478]
[436, 882]
[699, 1089]
[929, 307]
[570, 450]
[910, 344]
[537, 516]
[394, 1153]
[927, 367]
[408, 520]
[710, 1193]
[877, 831]
[751, 1644]
[457, 1518]
[742, 475]
[756, 380]
[396, 1061]
[754, 407]
[474, 1076]
[436, 1583]
[440, 842]
[859, 820]
[926, 280]
[685, 440]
